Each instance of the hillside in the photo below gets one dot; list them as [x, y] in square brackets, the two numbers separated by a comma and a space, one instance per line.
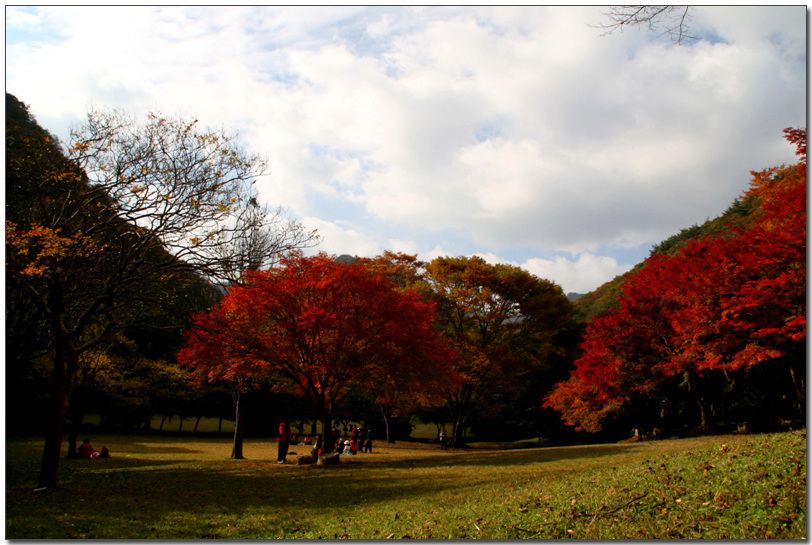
[738, 216]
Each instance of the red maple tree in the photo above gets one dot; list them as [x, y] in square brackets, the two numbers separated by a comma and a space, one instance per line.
[724, 304]
[327, 327]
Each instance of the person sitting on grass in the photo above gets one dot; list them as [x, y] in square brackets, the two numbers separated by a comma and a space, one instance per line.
[316, 451]
[87, 451]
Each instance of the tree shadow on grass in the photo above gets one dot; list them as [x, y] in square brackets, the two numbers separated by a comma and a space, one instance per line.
[146, 493]
[152, 448]
[131, 500]
[512, 457]
[26, 475]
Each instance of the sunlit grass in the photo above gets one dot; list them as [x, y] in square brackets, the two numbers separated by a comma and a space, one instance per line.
[744, 487]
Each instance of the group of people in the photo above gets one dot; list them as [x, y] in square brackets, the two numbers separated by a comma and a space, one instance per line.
[359, 440]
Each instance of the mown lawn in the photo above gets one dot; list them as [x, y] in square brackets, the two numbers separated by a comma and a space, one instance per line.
[741, 487]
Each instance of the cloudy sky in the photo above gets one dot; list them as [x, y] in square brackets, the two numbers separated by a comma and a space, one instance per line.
[520, 134]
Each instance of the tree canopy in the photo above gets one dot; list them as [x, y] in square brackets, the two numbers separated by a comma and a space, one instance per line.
[500, 319]
[326, 327]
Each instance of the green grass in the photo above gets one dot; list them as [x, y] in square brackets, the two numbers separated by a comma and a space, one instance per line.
[741, 487]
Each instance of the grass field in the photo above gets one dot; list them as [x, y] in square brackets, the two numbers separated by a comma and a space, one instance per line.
[741, 487]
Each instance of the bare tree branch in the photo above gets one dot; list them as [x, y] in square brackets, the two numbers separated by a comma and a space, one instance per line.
[672, 21]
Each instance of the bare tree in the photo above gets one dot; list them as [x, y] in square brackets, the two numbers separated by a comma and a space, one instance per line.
[262, 236]
[134, 219]
[672, 21]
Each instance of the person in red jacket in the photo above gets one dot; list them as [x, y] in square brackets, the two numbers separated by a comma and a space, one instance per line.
[87, 451]
[284, 441]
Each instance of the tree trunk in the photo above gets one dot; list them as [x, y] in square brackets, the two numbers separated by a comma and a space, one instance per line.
[387, 420]
[458, 429]
[697, 389]
[197, 423]
[460, 408]
[797, 370]
[327, 441]
[163, 419]
[239, 401]
[64, 372]
[703, 413]
[314, 428]
[53, 444]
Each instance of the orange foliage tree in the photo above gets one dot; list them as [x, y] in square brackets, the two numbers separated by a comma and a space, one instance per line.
[501, 320]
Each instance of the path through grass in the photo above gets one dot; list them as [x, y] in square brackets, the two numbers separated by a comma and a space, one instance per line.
[743, 487]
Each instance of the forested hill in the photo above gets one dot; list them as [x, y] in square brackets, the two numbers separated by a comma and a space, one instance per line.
[739, 215]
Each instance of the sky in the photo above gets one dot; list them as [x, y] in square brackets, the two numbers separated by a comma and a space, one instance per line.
[525, 135]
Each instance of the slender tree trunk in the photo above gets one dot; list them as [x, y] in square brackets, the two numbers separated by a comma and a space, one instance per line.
[387, 420]
[797, 371]
[220, 425]
[197, 423]
[703, 413]
[239, 401]
[460, 408]
[163, 419]
[314, 428]
[696, 387]
[458, 429]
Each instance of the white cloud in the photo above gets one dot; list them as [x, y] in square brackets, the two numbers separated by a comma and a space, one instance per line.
[581, 275]
[341, 238]
[508, 127]
[403, 246]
